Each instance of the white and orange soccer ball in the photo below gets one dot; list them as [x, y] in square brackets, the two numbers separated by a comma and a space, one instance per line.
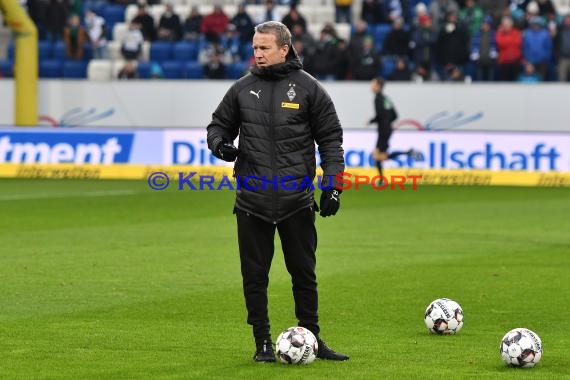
[296, 345]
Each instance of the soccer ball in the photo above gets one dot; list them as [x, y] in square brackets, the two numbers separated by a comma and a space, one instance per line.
[444, 316]
[296, 345]
[521, 347]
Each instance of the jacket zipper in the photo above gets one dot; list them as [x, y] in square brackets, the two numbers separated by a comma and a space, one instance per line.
[273, 150]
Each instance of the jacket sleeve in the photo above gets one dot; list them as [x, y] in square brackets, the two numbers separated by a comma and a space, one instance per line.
[327, 132]
[225, 120]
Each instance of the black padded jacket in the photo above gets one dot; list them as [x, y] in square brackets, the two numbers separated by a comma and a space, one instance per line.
[279, 113]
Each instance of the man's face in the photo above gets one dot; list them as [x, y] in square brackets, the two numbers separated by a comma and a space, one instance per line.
[266, 51]
[376, 87]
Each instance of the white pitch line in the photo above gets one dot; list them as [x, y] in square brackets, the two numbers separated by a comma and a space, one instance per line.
[100, 193]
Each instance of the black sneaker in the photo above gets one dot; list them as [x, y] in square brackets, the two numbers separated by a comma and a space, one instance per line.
[325, 352]
[264, 352]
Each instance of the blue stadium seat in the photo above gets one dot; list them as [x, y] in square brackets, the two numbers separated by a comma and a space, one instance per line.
[59, 51]
[143, 69]
[50, 68]
[44, 49]
[161, 51]
[388, 67]
[380, 33]
[172, 69]
[6, 69]
[95, 5]
[113, 13]
[194, 70]
[75, 69]
[185, 51]
[236, 70]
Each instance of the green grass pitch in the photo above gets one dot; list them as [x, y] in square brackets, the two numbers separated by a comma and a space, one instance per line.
[111, 280]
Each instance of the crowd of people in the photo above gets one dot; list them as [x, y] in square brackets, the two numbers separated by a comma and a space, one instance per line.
[445, 40]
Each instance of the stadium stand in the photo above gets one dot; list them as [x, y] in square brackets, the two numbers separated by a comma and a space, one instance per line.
[178, 59]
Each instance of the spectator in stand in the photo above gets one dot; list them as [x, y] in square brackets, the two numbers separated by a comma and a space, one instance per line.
[393, 10]
[372, 12]
[531, 10]
[37, 12]
[300, 34]
[537, 46]
[131, 46]
[216, 62]
[128, 71]
[215, 67]
[214, 58]
[544, 8]
[97, 33]
[294, 17]
[270, 13]
[471, 17]
[303, 57]
[326, 59]
[244, 24]
[563, 50]
[169, 25]
[438, 11]
[484, 51]
[424, 40]
[55, 19]
[529, 74]
[147, 23]
[343, 61]
[509, 47]
[74, 36]
[192, 24]
[367, 64]
[420, 10]
[216, 22]
[230, 43]
[401, 73]
[357, 39]
[494, 8]
[452, 44]
[343, 11]
[397, 42]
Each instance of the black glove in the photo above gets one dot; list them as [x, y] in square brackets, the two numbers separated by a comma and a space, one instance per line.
[226, 151]
[330, 202]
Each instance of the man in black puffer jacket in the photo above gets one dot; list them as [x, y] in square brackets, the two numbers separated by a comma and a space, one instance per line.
[279, 112]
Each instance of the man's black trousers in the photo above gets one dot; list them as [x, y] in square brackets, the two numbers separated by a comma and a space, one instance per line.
[256, 245]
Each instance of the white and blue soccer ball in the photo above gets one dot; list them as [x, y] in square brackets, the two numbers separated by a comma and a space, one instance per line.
[444, 316]
[296, 345]
[521, 347]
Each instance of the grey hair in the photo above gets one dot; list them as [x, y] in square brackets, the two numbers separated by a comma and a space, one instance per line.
[281, 32]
